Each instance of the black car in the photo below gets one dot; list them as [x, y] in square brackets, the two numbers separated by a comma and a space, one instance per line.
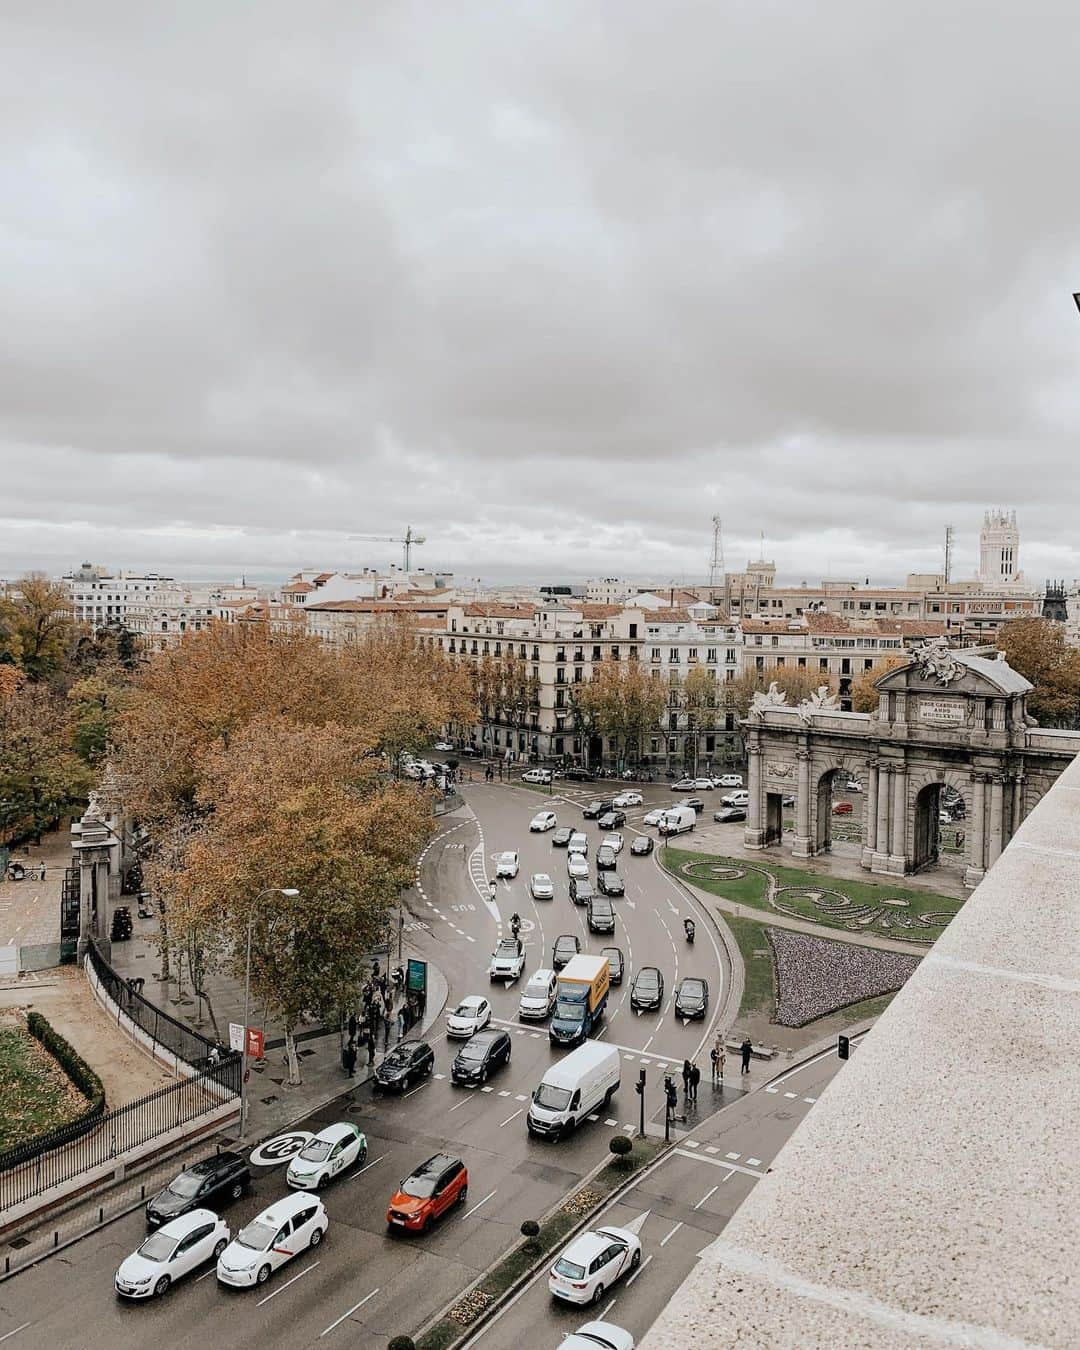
[647, 989]
[480, 1056]
[605, 857]
[614, 962]
[566, 946]
[581, 891]
[407, 1063]
[610, 883]
[729, 813]
[576, 774]
[561, 837]
[206, 1184]
[596, 809]
[642, 846]
[694, 803]
[600, 915]
[691, 998]
[470, 750]
[611, 820]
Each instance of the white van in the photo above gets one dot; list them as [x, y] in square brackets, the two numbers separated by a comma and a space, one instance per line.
[581, 1083]
[741, 798]
[678, 820]
[538, 997]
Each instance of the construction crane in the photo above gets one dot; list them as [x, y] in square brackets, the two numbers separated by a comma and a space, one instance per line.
[407, 541]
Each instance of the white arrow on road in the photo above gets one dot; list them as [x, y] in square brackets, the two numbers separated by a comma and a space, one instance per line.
[636, 1225]
[632, 904]
[672, 907]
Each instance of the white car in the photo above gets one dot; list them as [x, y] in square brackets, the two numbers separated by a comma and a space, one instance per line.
[598, 1336]
[625, 799]
[444, 745]
[592, 1263]
[577, 866]
[538, 996]
[579, 843]
[740, 798]
[537, 776]
[706, 784]
[470, 1015]
[613, 841]
[542, 886]
[543, 820]
[729, 780]
[290, 1226]
[173, 1251]
[507, 866]
[330, 1152]
[507, 960]
[684, 785]
[654, 817]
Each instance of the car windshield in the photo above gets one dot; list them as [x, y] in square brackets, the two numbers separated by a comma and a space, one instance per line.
[467, 1009]
[508, 947]
[474, 1050]
[569, 1010]
[185, 1185]
[256, 1236]
[568, 1269]
[692, 989]
[553, 1098]
[541, 879]
[565, 948]
[157, 1247]
[317, 1151]
[421, 1187]
[647, 981]
[537, 989]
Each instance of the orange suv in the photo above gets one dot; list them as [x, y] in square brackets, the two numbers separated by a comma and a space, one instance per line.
[427, 1192]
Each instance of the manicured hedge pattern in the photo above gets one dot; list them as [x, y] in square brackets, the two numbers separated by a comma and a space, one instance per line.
[73, 1064]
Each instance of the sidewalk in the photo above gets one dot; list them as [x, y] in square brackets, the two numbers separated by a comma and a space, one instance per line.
[272, 1104]
[30, 909]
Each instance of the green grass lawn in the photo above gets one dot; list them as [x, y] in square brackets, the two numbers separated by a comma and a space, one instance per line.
[868, 911]
[36, 1094]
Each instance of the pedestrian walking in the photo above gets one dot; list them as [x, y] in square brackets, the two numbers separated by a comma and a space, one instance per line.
[41, 874]
[369, 1045]
[401, 1023]
[687, 1071]
[746, 1050]
[714, 1061]
[721, 1060]
[387, 1028]
[352, 1026]
[350, 1058]
[695, 1079]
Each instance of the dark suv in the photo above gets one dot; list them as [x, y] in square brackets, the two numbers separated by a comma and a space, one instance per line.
[596, 809]
[483, 1053]
[601, 915]
[576, 774]
[611, 820]
[407, 1063]
[610, 883]
[581, 891]
[206, 1184]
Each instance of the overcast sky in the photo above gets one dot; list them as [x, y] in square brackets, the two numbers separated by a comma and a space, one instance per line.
[552, 282]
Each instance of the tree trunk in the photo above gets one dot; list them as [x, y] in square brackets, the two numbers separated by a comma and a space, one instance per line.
[294, 1079]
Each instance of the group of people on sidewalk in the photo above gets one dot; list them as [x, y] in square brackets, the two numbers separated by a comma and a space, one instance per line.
[377, 1015]
[691, 1074]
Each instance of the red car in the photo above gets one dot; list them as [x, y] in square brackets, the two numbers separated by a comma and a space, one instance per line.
[435, 1186]
[842, 809]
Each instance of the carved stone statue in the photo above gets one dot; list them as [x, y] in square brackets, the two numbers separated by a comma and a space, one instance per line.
[773, 697]
[936, 661]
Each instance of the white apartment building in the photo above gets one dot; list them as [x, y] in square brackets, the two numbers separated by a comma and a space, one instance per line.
[607, 591]
[100, 597]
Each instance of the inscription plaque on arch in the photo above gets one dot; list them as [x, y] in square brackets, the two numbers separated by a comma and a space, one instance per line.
[947, 711]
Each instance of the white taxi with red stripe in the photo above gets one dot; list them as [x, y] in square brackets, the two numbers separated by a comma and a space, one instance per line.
[290, 1226]
[592, 1263]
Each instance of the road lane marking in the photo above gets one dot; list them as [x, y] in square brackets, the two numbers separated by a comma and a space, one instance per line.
[648, 1043]
[665, 1240]
[299, 1276]
[607, 1310]
[637, 1272]
[707, 1196]
[198, 1279]
[479, 1203]
[717, 1162]
[412, 1091]
[734, 1157]
[510, 1118]
[8, 1334]
[370, 1165]
[810, 1100]
[753, 1162]
[503, 1093]
[343, 1316]
[470, 1093]
[792, 1095]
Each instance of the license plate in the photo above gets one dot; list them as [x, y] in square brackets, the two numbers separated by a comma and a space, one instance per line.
[396, 1219]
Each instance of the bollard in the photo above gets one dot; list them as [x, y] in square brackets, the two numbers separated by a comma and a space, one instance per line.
[101, 1214]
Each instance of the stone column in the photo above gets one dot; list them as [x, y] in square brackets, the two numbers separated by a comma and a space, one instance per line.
[754, 835]
[976, 868]
[803, 846]
[997, 816]
[1017, 803]
[881, 841]
[870, 814]
[898, 834]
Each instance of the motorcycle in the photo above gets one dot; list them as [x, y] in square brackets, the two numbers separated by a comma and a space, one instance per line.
[515, 925]
[688, 925]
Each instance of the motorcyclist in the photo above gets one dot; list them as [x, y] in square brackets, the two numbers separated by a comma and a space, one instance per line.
[688, 925]
[515, 923]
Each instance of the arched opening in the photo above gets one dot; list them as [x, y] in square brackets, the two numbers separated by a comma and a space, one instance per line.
[823, 820]
[927, 848]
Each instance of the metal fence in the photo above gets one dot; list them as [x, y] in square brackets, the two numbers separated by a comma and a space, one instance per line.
[67, 1153]
[188, 1044]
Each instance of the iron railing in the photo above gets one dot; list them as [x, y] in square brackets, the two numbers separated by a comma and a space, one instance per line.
[73, 1150]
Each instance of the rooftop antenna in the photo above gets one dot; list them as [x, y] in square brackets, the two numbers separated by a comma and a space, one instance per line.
[948, 553]
[717, 570]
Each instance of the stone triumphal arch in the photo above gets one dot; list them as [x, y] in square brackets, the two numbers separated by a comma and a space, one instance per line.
[949, 718]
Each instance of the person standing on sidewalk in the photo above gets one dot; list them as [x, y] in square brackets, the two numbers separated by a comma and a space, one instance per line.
[695, 1079]
[714, 1061]
[369, 1044]
[747, 1050]
[687, 1072]
[388, 1025]
[349, 1058]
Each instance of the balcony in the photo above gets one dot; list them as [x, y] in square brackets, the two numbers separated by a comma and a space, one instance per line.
[930, 1198]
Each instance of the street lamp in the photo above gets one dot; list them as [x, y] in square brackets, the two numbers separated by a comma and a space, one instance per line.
[290, 893]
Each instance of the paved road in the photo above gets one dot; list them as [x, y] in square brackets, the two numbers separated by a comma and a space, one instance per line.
[683, 1203]
[363, 1285]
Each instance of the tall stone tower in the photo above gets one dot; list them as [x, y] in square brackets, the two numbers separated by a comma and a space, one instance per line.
[999, 549]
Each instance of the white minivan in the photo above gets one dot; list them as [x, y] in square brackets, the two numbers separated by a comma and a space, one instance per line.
[538, 996]
[579, 1084]
[678, 820]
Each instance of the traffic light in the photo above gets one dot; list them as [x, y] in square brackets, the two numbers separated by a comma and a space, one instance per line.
[843, 1047]
[639, 1086]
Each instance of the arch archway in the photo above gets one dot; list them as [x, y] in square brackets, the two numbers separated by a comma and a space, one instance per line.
[927, 843]
[823, 814]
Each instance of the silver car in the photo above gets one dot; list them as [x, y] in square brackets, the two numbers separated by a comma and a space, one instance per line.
[542, 887]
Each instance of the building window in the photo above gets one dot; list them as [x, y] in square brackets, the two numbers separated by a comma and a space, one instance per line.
[633, 630]
[759, 663]
[673, 655]
[710, 655]
[558, 745]
[729, 656]
[654, 745]
[655, 654]
[672, 745]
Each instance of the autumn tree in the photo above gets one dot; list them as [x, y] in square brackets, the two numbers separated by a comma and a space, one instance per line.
[697, 698]
[41, 619]
[40, 775]
[625, 704]
[864, 693]
[300, 807]
[1037, 649]
[97, 703]
[796, 681]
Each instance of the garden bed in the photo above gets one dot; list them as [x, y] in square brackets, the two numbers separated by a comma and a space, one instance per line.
[37, 1094]
[816, 977]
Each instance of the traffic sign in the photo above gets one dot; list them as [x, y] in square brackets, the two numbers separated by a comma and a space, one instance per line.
[281, 1148]
[255, 1042]
[236, 1035]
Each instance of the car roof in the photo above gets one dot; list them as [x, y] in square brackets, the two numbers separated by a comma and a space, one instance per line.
[605, 950]
[341, 1129]
[587, 1245]
[542, 973]
[474, 1000]
[185, 1223]
[566, 937]
[508, 853]
[541, 876]
[691, 979]
[486, 1037]
[208, 1166]
[285, 1206]
[438, 1162]
[648, 970]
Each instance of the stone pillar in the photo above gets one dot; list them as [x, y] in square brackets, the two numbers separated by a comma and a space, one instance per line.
[1017, 803]
[870, 814]
[754, 835]
[881, 840]
[997, 816]
[898, 834]
[976, 868]
[803, 846]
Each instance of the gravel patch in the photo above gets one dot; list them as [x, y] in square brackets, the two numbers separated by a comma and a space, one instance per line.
[815, 977]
